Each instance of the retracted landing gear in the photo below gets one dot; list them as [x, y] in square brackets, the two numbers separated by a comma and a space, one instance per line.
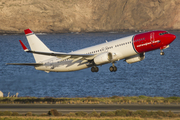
[113, 68]
[94, 69]
[161, 53]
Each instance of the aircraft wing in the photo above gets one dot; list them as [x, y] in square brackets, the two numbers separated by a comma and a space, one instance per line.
[29, 64]
[63, 56]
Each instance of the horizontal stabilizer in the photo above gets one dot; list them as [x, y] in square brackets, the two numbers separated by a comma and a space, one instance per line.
[28, 64]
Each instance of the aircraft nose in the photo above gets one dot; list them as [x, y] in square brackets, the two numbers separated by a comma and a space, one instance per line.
[172, 37]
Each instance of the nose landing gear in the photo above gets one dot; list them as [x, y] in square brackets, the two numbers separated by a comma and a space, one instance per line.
[161, 53]
[162, 48]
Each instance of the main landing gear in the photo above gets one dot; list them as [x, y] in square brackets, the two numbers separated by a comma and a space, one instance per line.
[113, 68]
[161, 53]
[94, 69]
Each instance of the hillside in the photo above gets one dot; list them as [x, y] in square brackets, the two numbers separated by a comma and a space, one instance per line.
[57, 16]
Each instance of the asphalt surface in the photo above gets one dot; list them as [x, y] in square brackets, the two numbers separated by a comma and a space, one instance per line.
[44, 108]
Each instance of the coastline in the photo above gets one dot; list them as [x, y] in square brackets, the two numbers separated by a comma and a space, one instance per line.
[68, 32]
[92, 100]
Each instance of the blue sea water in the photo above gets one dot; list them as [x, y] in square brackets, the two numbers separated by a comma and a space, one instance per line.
[154, 76]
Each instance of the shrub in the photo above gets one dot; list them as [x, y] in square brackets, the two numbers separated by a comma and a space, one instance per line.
[123, 113]
[81, 113]
[94, 114]
[44, 114]
[143, 97]
[140, 113]
[71, 114]
[28, 114]
[6, 113]
[173, 97]
[152, 114]
[1, 113]
[54, 112]
[170, 114]
[161, 113]
[110, 113]
[103, 113]
[15, 114]
[114, 97]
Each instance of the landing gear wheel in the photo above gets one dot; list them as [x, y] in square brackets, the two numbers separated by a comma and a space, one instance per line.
[161, 53]
[113, 69]
[94, 69]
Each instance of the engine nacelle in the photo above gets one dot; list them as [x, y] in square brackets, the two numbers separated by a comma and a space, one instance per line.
[103, 58]
[135, 58]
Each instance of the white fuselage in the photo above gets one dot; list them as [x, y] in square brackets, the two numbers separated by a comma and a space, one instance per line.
[120, 49]
[131, 48]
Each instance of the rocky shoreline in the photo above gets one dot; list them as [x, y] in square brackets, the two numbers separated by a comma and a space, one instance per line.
[67, 16]
[62, 32]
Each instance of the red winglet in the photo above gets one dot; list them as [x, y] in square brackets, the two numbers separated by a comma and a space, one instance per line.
[27, 31]
[23, 46]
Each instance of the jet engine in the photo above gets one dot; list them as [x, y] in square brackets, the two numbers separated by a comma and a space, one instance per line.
[135, 58]
[103, 58]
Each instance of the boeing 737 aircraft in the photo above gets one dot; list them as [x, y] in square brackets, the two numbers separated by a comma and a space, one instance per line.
[132, 49]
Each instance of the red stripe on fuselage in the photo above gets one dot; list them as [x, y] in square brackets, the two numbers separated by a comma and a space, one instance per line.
[148, 41]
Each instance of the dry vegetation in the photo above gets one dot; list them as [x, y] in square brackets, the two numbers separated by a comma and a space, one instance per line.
[92, 100]
[118, 114]
[81, 118]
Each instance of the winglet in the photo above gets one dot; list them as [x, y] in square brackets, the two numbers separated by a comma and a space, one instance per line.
[27, 31]
[23, 46]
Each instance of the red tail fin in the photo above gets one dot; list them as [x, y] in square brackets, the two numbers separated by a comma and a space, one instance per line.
[27, 31]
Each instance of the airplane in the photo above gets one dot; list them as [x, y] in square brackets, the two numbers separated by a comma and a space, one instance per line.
[131, 49]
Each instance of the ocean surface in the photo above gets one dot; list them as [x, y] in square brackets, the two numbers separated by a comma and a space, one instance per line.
[156, 75]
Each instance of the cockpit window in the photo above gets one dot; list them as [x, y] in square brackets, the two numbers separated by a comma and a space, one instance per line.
[163, 33]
